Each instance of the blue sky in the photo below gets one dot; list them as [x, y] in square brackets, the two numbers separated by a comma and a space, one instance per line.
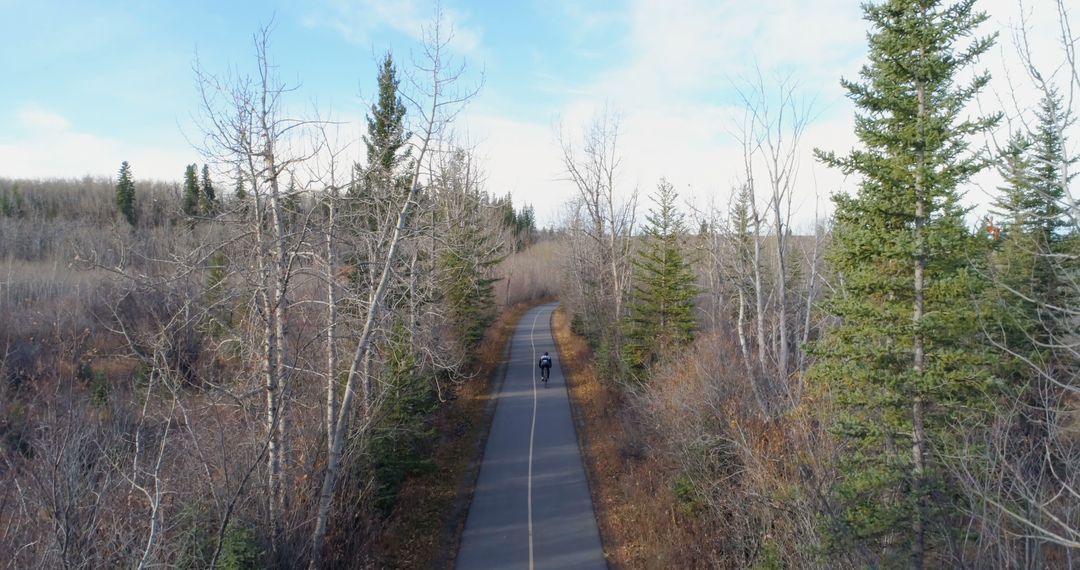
[89, 84]
[124, 68]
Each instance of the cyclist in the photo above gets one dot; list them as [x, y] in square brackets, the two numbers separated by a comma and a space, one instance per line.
[545, 367]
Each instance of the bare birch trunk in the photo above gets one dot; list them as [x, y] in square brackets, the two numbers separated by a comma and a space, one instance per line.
[279, 307]
[359, 376]
[811, 295]
[781, 287]
[271, 382]
[331, 317]
[759, 289]
[743, 348]
[337, 436]
[776, 131]
[919, 443]
[414, 298]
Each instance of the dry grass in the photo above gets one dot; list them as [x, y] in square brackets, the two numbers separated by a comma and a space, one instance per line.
[641, 524]
[426, 525]
[65, 374]
[530, 274]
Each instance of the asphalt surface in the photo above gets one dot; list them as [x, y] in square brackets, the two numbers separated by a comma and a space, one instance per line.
[531, 507]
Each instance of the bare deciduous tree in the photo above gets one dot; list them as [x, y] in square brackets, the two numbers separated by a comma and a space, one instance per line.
[769, 133]
[607, 221]
[244, 125]
[436, 100]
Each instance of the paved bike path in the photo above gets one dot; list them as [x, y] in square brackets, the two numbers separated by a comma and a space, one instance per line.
[543, 518]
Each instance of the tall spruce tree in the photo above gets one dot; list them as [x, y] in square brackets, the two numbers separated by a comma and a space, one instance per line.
[1014, 166]
[125, 193]
[379, 184]
[1049, 160]
[386, 142]
[1011, 258]
[240, 192]
[1049, 223]
[207, 197]
[387, 136]
[190, 205]
[904, 364]
[661, 316]
[1032, 264]
[472, 246]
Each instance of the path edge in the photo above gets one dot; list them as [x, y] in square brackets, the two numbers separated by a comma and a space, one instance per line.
[450, 537]
[579, 429]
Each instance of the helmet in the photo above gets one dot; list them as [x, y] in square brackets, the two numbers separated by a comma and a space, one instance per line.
[545, 353]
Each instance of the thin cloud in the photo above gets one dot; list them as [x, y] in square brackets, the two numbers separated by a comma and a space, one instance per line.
[53, 149]
[357, 21]
[675, 91]
[674, 87]
[34, 118]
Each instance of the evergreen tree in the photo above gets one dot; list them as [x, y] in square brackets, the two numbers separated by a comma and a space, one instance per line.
[525, 226]
[381, 180]
[12, 205]
[125, 193]
[240, 191]
[904, 364]
[403, 436]
[521, 223]
[1014, 166]
[1049, 159]
[1032, 264]
[379, 185]
[190, 204]
[207, 199]
[290, 203]
[741, 268]
[661, 316]
[472, 249]
[1048, 222]
[1029, 262]
[1011, 259]
[386, 125]
[741, 218]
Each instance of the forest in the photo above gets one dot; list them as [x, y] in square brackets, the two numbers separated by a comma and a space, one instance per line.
[285, 360]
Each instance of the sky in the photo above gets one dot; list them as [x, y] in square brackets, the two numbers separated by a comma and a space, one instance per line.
[89, 84]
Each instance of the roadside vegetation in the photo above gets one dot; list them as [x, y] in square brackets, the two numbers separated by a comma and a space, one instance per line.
[894, 387]
[281, 362]
[286, 360]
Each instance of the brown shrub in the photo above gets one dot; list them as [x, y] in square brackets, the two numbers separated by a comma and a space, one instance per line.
[640, 522]
[686, 474]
